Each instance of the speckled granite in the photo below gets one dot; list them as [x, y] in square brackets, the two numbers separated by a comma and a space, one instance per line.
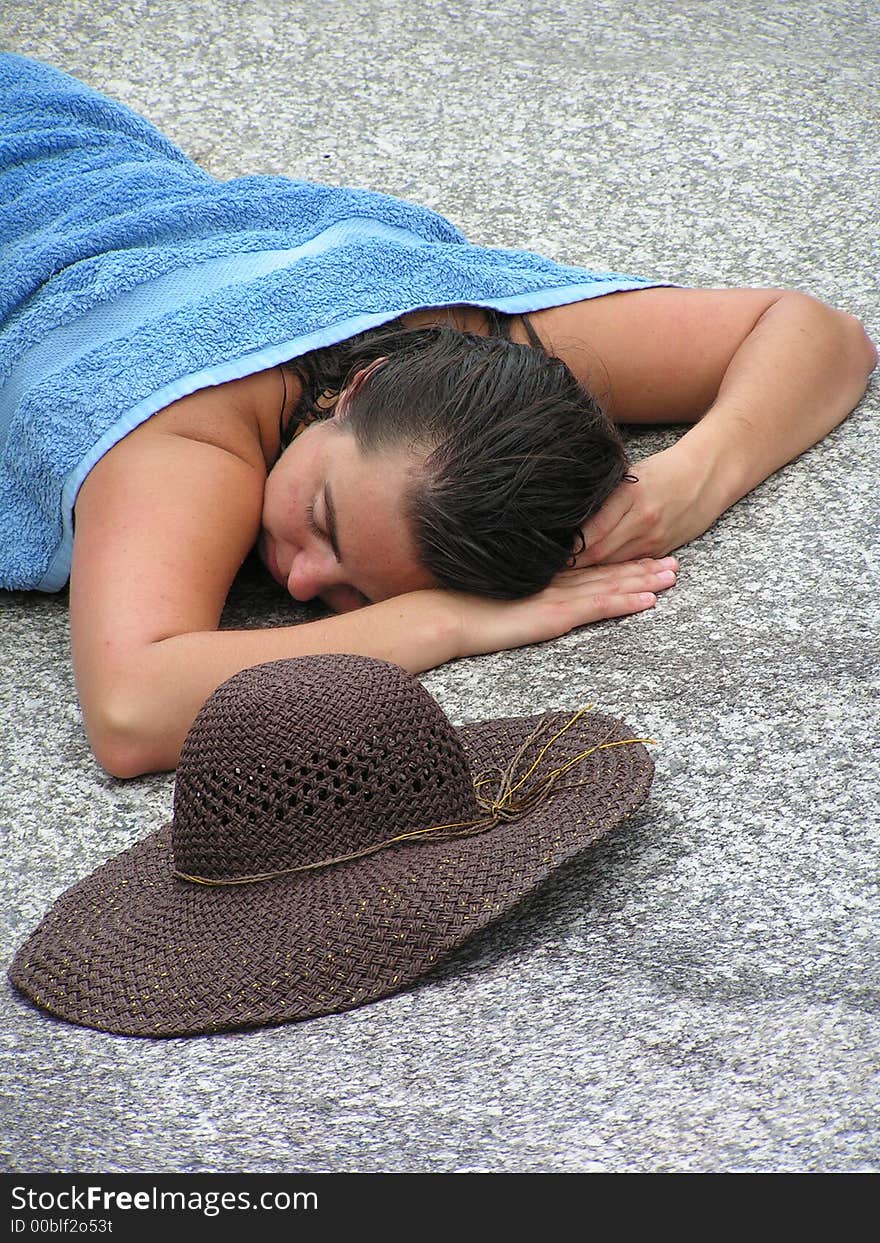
[700, 993]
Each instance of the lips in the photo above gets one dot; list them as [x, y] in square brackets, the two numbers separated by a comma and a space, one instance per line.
[271, 562]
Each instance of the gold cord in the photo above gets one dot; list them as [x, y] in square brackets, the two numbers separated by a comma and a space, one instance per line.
[502, 808]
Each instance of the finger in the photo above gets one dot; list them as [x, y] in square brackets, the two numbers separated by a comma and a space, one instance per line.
[635, 548]
[632, 581]
[609, 549]
[640, 533]
[597, 530]
[601, 577]
[607, 517]
[555, 617]
[619, 604]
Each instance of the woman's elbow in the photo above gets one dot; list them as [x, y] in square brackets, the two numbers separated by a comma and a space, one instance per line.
[122, 743]
[844, 334]
[851, 353]
[120, 761]
[864, 350]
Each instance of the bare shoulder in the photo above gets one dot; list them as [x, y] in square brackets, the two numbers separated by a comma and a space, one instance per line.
[242, 417]
[652, 355]
[163, 523]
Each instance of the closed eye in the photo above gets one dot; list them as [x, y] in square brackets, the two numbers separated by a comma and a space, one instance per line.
[316, 530]
[312, 525]
[329, 535]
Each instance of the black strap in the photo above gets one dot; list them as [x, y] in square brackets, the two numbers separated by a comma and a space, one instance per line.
[499, 326]
[534, 339]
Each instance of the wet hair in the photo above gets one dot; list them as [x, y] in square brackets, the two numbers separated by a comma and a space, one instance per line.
[517, 455]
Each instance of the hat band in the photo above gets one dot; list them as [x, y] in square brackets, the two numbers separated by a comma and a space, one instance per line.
[503, 807]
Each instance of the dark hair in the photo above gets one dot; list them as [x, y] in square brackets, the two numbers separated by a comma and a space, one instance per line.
[517, 453]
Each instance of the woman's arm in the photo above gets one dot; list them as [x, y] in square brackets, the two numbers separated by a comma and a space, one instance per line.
[164, 522]
[763, 373]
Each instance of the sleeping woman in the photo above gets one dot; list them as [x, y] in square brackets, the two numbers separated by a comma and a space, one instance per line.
[419, 432]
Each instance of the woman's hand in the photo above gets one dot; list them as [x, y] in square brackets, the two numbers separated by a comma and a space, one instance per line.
[762, 374]
[673, 502]
[573, 598]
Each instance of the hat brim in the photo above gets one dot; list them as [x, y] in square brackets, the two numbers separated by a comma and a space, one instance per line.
[133, 950]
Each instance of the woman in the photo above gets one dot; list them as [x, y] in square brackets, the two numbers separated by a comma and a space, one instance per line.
[432, 467]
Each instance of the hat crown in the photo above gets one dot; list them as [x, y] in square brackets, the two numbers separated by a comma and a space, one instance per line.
[301, 761]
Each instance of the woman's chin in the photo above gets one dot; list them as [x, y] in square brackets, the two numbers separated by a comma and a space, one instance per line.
[345, 605]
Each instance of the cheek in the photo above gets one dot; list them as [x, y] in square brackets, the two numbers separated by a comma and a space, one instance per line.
[281, 500]
[267, 519]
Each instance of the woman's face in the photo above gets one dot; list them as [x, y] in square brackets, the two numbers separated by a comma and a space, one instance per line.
[354, 548]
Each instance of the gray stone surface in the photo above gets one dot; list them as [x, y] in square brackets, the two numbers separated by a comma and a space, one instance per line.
[699, 993]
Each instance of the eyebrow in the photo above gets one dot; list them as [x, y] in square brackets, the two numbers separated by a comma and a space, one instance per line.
[332, 530]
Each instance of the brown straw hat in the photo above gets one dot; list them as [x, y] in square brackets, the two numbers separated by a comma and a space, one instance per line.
[334, 837]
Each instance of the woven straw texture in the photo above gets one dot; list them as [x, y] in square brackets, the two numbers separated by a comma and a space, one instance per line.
[290, 764]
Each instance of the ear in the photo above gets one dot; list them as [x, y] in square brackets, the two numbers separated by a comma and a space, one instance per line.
[357, 380]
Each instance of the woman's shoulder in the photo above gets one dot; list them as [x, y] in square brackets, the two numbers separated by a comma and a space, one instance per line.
[244, 417]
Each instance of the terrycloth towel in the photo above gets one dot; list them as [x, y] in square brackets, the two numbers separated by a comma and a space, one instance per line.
[130, 278]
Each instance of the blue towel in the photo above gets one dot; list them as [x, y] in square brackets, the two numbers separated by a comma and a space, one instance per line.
[130, 278]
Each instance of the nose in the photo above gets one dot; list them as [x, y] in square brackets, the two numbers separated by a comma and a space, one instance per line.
[310, 574]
